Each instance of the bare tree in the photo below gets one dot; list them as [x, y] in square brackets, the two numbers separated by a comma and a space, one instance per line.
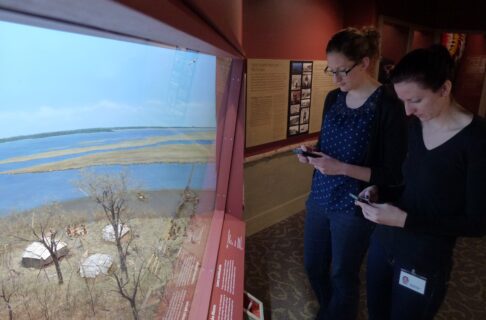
[49, 241]
[110, 193]
[44, 233]
[8, 289]
[129, 288]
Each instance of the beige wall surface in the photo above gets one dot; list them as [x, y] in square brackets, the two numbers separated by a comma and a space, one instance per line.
[275, 188]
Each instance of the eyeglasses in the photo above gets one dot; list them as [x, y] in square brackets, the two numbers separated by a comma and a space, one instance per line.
[340, 73]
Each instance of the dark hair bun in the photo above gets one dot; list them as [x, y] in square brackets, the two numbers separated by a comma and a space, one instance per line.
[373, 37]
[356, 44]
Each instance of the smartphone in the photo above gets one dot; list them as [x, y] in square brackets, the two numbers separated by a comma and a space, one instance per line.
[360, 199]
[306, 153]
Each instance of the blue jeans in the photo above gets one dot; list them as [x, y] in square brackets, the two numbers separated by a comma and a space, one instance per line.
[392, 251]
[334, 246]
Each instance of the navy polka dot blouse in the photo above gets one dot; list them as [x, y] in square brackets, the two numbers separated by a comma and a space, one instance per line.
[345, 136]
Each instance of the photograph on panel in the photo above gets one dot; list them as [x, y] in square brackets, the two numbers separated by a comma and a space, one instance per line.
[304, 128]
[294, 109]
[293, 130]
[307, 67]
[305, 103]
[296, 67]
[304, 115]
[295, 97]
[306, 80]
[306, 93]
[294, 120]
[296, 82]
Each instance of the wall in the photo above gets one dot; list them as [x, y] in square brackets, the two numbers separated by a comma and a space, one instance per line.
[471, 72]
[289, 29]
[359, 13]
[422, 39]
[275, 188]
[437, 14]
[394, 41]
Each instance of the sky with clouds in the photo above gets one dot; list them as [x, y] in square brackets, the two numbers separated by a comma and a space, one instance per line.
[55, 81]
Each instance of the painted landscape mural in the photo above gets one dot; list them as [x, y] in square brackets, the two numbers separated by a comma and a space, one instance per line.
[107, 173]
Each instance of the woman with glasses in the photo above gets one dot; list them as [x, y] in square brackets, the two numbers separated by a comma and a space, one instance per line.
[410, 257]
[362, 142]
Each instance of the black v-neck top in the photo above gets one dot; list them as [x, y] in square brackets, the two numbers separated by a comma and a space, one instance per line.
[445, 187]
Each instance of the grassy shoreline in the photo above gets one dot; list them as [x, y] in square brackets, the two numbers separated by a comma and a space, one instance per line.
[175, 153]
[114, 146]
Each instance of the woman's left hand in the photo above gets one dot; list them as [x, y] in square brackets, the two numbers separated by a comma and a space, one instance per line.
[327, 165]
[383, 213]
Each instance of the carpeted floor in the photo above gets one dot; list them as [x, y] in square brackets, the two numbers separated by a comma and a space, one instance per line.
[274, 273]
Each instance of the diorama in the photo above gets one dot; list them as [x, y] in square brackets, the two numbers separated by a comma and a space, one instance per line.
[107, 174]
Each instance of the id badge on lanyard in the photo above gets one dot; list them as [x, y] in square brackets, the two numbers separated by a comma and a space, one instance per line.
[412, 281]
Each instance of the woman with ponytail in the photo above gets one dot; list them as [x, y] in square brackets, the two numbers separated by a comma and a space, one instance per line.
[362, 142]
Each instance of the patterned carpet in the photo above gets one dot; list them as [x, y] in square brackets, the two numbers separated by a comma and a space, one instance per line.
[275, 274]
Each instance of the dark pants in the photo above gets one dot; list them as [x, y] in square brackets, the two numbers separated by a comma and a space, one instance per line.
[334, 246]
[387, 257]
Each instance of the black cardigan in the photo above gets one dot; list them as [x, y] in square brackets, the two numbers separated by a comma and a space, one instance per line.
[388, 143]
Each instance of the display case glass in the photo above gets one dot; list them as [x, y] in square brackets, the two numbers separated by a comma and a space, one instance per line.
[107, 174]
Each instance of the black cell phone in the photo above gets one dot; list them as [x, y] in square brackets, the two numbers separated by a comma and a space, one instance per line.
[360, 199]
[306, 153]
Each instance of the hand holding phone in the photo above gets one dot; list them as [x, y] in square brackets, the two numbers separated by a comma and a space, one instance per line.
[306, 153]
[360, 199]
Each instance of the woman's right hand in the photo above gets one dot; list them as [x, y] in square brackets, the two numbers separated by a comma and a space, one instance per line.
[370, 193]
